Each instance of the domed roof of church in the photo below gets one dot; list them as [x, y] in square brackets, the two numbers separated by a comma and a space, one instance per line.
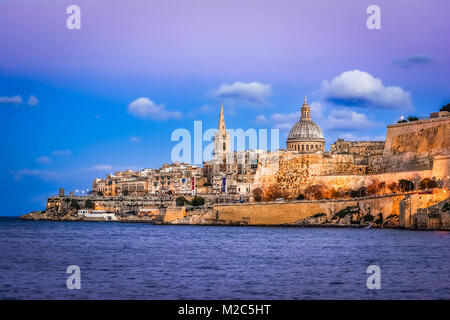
[305, 129]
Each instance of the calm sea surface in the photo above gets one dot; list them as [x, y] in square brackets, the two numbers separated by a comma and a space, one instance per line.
[141, 261]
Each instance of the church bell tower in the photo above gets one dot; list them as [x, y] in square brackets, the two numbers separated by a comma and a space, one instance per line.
[221, 139]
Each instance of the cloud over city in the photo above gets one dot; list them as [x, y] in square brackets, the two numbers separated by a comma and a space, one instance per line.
[43, 160]
[17, 100]
[253, 92]
[346, 119]
[360, 89]
[32, 101]
[414, 60]
[135, 139]
[146, 108]
[343, 119]
[280, 121]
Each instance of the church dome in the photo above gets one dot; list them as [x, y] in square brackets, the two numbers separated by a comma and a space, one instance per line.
[305, 136]
[305, 130]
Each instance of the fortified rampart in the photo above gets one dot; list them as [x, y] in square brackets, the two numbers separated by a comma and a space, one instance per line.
[429, 137]
[274, 213]
[402, 206]
[414, 145]
[413, 150]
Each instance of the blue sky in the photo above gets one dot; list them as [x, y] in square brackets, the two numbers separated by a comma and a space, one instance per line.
[182, 58]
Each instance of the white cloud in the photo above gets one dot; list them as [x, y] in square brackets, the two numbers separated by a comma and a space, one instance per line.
[284, 121]
[43, 160]
[135, 139]
[32, 101]
[61, 153]
[102, 167]
[317, 110]
[336, 120]
[261, 119]
[40, 174]
[206, 109]
[414, 60]
[146, 108]
[346, 119]
[11, 100]
[253, 92]
[359, 88]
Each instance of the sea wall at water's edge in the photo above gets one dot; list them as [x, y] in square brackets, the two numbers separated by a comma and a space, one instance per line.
[394, 210]
[379, 211]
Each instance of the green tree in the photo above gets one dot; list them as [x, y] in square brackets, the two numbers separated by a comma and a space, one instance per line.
[74, 204]
[405, 185]
[301, 196]
[446, 107]
[257, 194]
[198, 201]
[89, 204]
[412, 118]
[427, 183]
[181, 201]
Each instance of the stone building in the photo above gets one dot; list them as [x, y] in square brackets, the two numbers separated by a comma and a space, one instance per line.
[229, 172]
[360, 150]
[175, 178]
[305, 136]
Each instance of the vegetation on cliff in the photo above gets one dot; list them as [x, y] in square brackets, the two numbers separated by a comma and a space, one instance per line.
[351, 215]
[322, 192]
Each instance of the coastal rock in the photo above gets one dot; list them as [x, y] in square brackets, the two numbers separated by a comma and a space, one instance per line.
[320, 218]
[391, 222]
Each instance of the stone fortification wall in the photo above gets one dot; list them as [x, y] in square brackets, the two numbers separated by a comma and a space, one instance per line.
[294, 172]
[427, 137]
[413, 145]
[274, 213]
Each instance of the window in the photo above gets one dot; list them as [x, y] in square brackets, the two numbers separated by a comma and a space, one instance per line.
[303, 147]
[307, 147]
[224, 146]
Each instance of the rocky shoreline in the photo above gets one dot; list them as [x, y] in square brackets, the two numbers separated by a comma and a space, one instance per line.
[350, 217]
[381, 212]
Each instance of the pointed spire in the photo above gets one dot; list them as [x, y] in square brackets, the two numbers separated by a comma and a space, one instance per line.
[306, 102]
[221, 120]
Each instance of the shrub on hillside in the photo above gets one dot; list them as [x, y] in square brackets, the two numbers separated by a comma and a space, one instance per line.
[405, 185]
[427, 184]
[257, 194]
[300, 196]
[181, 201]
[274, 192]
[198, 201]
